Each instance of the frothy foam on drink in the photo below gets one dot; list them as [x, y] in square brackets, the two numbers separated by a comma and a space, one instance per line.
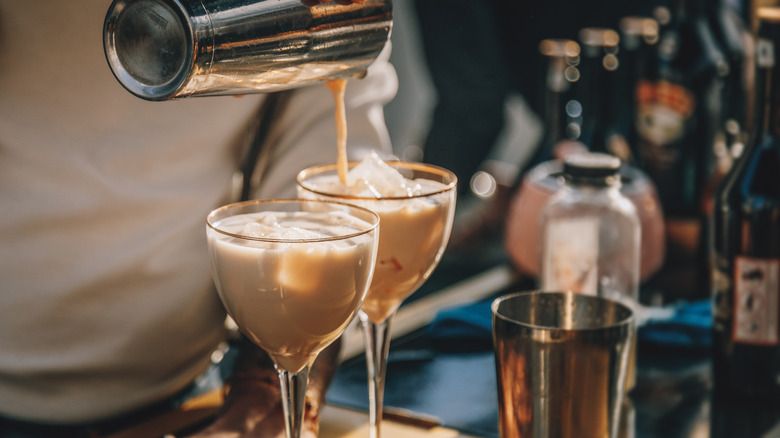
[373, 178]
[294, 226]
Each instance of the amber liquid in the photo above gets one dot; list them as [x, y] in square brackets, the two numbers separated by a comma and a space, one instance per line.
[338, 88]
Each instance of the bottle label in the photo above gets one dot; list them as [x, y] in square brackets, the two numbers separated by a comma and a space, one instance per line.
[663, 109]
[571, 254]
[675, 128]
[756, 291]
[765, 53]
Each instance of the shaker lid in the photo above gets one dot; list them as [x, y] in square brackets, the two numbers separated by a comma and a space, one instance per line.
[590, 165]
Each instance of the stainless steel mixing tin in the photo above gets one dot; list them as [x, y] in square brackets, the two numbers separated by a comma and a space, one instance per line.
[164, 49]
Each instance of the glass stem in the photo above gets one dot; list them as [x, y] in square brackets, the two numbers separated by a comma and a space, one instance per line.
[377, 338]
[293, 399]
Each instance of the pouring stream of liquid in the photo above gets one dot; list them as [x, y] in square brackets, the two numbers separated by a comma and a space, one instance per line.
[337, 87]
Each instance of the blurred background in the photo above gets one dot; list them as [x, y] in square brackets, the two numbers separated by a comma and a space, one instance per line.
[500, 92]
[482, 95]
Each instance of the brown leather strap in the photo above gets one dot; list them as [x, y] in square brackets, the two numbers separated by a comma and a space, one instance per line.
[256, 157]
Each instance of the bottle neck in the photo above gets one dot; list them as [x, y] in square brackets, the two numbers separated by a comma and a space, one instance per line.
[768, 82]
[593, 95]
[555, 115]
[598, 67]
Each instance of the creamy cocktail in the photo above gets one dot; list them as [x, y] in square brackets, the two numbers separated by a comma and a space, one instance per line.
[415, 215]
[416, 204]
[292, 274]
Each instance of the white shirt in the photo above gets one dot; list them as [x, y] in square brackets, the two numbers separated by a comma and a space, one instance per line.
[106, 297]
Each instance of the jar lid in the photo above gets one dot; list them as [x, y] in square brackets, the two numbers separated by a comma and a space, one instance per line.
[591, 165]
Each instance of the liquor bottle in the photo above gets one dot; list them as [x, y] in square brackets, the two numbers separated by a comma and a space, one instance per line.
[734, 39]
[561, 115]
[746, 243]
[732, 35]
[678, 119]
[638, 36]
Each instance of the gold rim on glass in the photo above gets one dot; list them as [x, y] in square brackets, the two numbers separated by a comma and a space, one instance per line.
[245, 207]
[448, 178]
[626, 319]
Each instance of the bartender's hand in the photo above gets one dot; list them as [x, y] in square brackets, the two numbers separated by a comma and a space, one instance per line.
[253, 405]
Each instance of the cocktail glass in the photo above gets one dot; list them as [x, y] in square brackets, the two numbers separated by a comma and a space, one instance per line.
[292, 274]
[414, 232]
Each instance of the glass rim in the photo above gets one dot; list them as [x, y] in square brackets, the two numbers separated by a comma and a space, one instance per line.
[622, 322]
[373, 225]
[319, 169]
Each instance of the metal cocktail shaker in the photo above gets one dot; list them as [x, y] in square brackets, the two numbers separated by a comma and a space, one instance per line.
[164, 49]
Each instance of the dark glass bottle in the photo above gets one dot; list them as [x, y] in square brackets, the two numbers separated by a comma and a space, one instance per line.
[732, 36]
[678, 119]
[596, 88]
[746, 243]
[638, 36]
[561, 114]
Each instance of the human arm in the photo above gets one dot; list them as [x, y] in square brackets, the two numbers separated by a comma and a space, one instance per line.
[252, 406]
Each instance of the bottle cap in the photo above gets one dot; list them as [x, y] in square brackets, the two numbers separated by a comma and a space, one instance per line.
[591, 166]
[599, 37]
[598, 42]
[559, 48]
[635, 28]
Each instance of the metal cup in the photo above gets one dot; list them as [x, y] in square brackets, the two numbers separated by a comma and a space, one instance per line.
[561, 363]
[163, 49]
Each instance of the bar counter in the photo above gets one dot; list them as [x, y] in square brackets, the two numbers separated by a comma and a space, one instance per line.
[449, 390]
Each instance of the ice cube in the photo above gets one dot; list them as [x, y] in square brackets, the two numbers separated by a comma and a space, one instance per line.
[327, 184]
[375, 178]
[426, 186]
[270, 225]
[295, 233]
[257, 229]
